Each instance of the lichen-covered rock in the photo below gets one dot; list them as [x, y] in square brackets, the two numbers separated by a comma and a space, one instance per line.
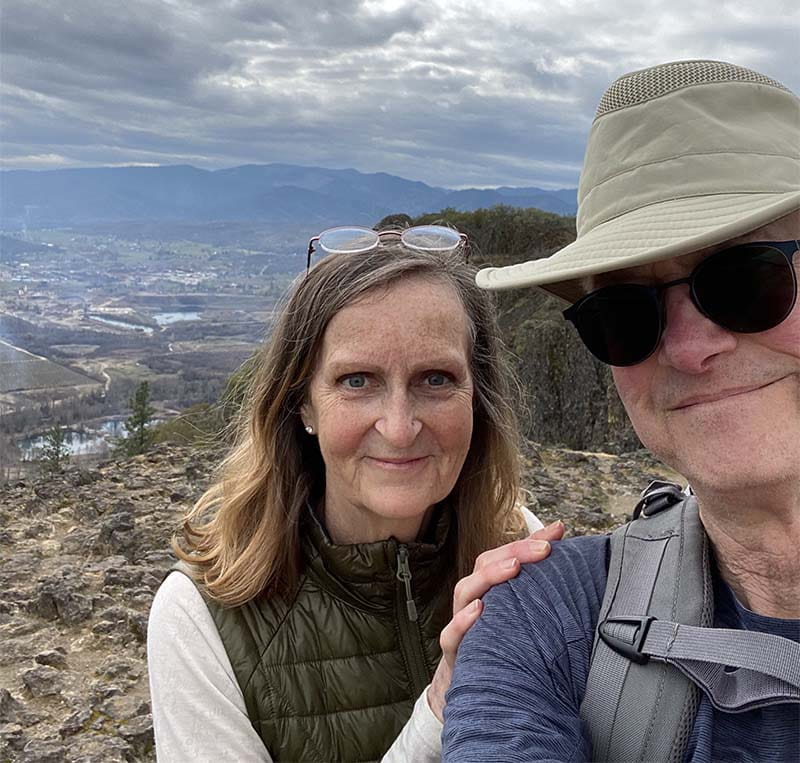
[59, 596]
[43, 681]
[43, 751]
[101, 748]
[117, 532]
[12, 739]
[55, 658]
[13, 711]
[138, 732]
[75, 722]
[570, 398]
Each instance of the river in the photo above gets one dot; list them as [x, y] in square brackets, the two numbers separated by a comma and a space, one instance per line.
[96, 439]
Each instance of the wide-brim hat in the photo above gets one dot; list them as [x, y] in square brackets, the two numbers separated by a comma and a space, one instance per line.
[680, 157]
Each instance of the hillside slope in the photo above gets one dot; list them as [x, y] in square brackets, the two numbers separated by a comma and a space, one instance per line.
[82, 554]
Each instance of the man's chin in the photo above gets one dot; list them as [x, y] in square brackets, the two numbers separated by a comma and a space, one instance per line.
[723, 468]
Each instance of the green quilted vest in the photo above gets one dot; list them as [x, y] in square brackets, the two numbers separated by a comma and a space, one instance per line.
[332, 673]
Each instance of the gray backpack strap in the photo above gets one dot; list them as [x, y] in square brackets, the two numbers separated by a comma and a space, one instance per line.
[658, 604]
[659, 568]
[738, 670]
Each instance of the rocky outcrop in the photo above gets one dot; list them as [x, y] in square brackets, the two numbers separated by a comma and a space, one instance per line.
[569, 396]
[82, 554]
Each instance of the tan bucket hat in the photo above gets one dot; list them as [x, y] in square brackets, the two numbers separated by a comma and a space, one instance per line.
[680, 156]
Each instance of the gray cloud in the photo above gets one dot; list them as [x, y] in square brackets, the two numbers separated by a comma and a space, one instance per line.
[453, 93]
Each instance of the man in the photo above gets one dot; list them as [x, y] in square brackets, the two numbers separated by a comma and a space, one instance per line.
[684, 279]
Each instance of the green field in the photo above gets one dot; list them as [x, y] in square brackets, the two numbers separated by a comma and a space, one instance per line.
[20, 371]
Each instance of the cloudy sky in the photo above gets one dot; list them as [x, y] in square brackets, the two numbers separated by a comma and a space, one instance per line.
[452, 92]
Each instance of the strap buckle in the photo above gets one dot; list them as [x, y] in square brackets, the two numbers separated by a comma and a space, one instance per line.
[626, 636]
[656, 497]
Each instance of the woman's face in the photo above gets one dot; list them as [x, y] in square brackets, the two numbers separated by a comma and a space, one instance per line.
[391, 404]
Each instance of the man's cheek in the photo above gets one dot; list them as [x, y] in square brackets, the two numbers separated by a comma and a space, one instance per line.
[634, 386]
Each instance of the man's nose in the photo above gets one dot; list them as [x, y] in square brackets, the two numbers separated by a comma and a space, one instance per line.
[690, 340]
[398, 423]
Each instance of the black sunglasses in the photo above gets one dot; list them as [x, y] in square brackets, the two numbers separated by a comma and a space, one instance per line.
[746, 288]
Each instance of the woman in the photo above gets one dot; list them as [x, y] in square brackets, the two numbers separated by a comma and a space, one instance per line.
[375, 462]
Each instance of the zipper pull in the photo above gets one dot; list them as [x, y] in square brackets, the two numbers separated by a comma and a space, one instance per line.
[404, 574]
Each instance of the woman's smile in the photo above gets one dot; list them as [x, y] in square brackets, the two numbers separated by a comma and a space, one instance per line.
[397, 464]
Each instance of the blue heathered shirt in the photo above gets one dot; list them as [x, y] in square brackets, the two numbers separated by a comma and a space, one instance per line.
[521, 672]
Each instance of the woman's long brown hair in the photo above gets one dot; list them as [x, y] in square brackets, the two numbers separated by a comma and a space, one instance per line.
[242, 538]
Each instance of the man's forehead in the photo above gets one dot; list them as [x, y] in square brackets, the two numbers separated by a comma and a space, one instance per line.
[652, 272]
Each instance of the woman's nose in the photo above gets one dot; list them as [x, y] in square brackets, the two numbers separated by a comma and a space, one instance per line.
[398, 423]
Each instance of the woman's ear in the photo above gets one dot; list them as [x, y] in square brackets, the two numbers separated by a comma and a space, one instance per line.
[307, 417]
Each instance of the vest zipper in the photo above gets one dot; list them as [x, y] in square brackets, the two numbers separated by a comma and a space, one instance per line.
[404, 575]
[408, 621]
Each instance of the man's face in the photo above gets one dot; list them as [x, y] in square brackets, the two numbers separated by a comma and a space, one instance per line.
[723, 409]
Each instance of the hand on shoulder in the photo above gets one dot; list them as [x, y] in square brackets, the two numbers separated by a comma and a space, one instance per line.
[491, 568]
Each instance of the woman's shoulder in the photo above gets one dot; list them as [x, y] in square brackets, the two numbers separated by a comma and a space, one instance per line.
[177, 603]
[181, 626]
[532, 522]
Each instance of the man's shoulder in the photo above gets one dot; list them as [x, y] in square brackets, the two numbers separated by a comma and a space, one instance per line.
[533, 642]
[582, 559]
[562, 592]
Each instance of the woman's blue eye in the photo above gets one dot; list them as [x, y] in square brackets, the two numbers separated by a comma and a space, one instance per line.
[437, 380]
[356, 381]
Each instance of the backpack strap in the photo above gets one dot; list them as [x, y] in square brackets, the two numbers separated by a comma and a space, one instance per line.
[659, 568]
[659, 604]
[738, 670]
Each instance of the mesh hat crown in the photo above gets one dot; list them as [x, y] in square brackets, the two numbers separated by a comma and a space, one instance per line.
[680, 156]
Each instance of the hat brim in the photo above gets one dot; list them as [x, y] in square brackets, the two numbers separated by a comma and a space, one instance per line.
[649, 234]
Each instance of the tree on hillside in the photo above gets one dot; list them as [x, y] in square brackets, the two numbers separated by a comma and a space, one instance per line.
[504, 235]
[55, 451]
[399, 220]
[139, 436]
[10, 456]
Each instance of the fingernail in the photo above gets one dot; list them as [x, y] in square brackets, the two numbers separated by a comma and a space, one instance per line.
[475, 606]
[553, 525]
[539, 545]
[509, 563]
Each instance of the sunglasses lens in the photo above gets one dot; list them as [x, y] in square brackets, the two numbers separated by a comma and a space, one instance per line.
[620, 325]
[431, 238]
[341, 240]
[746, 289]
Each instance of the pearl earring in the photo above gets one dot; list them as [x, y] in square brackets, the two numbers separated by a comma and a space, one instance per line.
[310, 429]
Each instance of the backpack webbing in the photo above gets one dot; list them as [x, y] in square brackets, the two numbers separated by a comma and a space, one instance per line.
[659, 604]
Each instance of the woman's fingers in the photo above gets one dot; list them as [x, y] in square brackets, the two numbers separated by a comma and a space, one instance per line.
[505, 565]
[500, 564]
[553, 531]
[519, 548]
[453, 633]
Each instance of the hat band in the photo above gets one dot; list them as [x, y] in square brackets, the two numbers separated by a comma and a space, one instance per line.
[688, 176]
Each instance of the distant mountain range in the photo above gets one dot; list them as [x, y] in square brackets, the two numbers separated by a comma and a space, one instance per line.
[270, 193]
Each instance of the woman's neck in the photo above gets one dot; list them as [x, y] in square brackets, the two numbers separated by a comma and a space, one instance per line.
[350, 524]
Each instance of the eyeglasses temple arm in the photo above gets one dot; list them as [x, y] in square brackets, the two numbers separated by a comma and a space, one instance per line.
[310, 252]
